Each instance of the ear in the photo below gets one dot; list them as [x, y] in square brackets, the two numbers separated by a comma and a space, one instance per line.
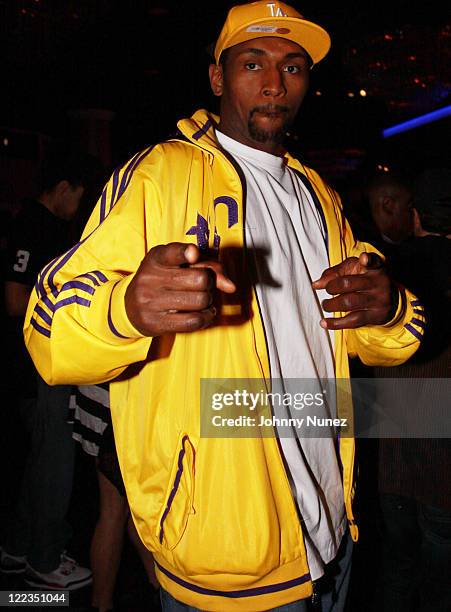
[61, 188]
[387, 205]
[417, 227]
[216, 79]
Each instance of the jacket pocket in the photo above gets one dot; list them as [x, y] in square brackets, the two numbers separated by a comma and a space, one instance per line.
[179, 496]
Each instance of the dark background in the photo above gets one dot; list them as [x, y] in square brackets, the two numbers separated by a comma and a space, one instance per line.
[142, 65]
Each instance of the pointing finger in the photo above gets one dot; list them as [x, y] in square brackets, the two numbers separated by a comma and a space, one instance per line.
[223, 282]
[174, 254]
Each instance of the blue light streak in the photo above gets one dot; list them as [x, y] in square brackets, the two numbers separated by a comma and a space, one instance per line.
[417, 121]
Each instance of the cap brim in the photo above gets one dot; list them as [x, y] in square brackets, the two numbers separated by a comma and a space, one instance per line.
[310, 36]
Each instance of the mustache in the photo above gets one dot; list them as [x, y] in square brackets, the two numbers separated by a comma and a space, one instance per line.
[269, 108]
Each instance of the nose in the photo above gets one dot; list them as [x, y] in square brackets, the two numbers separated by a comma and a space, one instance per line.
[274, 85]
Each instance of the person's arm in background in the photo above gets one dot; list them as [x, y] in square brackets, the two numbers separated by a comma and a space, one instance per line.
[16, 298]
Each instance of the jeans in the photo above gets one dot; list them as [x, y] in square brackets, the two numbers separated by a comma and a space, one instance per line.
[39, 530]
[332, 588]
[416, 570]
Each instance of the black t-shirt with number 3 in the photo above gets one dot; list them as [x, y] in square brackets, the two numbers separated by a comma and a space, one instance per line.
[37, 237]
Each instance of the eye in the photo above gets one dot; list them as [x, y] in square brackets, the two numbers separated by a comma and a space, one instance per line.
[252, 66]
[291, 69]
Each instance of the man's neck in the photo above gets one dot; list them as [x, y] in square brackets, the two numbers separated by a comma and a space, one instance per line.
[271, 147]
[49, 201]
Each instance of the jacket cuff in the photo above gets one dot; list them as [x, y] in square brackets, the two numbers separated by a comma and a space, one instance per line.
[400, 309]
[118, 322]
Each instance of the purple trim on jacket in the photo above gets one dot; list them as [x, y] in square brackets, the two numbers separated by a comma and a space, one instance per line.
[418, 322]
[74, 299]
[203, 130]
[40, 329]
[90, 276]
[75, 284]
[111, 325]
[307, 184]
[174, 488]
[270, 588]
[413, 331]
[43, 314]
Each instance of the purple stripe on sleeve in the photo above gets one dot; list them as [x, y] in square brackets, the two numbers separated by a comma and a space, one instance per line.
[418, 322]
[418, 311]
[60, 264]
[416, 303]
[414, 331]
[271, 588]
[102, 278]
[91, 277]
[174, 488]
[115, 184]
[127, 176]
[203, 130]
[78, 285]
[50, 305]
[138, 161]
[74, 299]
[102, 205]
[40, 329]
[129, 169]
[42, 276]
[111, 325]
[43, 314]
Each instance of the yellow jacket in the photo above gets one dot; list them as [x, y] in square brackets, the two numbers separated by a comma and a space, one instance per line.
[218, 513]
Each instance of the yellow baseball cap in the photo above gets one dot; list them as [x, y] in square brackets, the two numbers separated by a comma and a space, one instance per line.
[258, 19]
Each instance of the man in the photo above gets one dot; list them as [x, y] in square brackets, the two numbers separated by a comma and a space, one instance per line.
[414, 470]
[391, 204]
[36, 542]
[152, 307]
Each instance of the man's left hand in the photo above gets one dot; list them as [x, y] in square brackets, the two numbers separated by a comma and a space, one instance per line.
[362, 288]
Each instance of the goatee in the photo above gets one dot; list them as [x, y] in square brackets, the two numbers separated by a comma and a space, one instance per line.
[260, 135]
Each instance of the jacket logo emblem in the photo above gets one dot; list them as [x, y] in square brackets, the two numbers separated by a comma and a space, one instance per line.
[201, 229]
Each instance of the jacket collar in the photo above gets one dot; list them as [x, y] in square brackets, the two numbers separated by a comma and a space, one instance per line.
[200, 130]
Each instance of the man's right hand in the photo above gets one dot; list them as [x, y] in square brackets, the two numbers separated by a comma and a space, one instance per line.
[173, 290]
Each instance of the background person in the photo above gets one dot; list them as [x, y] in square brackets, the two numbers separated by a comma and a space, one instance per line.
[36, 542]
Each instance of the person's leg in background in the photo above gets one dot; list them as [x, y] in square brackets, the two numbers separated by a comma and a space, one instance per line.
[40, 530]
[18, 536]
[435, 588]
[50, 477]
[107, 543]
[144, 554]
[401, 553]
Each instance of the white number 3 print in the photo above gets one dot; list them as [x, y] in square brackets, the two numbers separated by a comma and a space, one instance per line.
[22, 261]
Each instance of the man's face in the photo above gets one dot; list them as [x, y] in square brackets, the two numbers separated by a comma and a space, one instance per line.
[402, 218]
[70, 201]
[262, 85]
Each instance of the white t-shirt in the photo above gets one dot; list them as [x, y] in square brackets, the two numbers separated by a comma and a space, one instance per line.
[286, 236]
